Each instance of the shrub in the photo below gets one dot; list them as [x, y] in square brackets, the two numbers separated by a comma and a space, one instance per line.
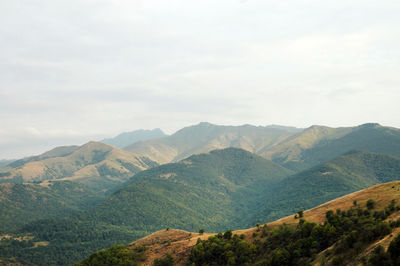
[166, 261]
[370, 204]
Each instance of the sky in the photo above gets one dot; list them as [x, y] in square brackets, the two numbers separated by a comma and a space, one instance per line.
[73, 71]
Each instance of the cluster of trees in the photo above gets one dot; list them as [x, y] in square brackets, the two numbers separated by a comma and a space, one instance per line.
[223, 249]
[121, 255]
[349, 231]
[167, 260]
[70, 239]
[117, 255]
[389, 258]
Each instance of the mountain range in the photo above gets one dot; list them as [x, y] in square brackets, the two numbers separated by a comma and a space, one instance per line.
[205, 176]
[296, 149]
[206, 137]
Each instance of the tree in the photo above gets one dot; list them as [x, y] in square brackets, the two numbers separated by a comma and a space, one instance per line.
[370, 204]
[166, 261]
[280, 257]
[201, 231]
[300, 212]
[394, 249]
[228, 234]
[379, 257]
[117, 255]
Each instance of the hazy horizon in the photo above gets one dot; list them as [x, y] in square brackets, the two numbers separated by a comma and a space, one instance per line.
[100, 137]
[74, 71]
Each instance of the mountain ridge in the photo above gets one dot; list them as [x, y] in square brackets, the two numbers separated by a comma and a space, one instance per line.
[205, 137]
[92, 163]
[345, 174]
[128, 138]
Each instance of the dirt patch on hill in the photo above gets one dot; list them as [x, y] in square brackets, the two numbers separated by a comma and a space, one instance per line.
[166, 176]
[178, 243]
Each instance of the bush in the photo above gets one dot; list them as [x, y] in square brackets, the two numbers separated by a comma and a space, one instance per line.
[379, 257]
[394, 250]
[370, 204]
[166, 261]
[117, 255]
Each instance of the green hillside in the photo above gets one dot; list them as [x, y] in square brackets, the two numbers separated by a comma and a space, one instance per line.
[23, 203]
[348, 173]
[319, 144]
[367, 137]
[207, 190]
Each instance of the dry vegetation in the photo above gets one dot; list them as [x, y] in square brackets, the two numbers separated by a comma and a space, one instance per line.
[176, 242]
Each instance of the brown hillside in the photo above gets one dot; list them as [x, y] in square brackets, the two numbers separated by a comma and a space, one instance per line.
[179, 243]
[91, 160]
[176, 242]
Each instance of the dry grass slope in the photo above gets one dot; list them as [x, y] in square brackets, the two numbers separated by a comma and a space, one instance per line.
[91, 160]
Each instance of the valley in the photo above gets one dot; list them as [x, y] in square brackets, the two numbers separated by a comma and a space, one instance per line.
[61, 206]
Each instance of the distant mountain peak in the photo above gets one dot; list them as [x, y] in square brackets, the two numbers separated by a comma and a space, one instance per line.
[128, 138]
[370, 125]
[205, 124]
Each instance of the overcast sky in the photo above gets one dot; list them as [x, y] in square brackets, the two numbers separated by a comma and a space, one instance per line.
[71, 71]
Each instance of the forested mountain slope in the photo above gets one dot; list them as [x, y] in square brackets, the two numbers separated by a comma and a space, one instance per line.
[207, 190]
[350, 172]
[23, 203]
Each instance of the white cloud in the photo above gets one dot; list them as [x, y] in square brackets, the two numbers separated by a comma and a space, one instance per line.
[97, 68]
